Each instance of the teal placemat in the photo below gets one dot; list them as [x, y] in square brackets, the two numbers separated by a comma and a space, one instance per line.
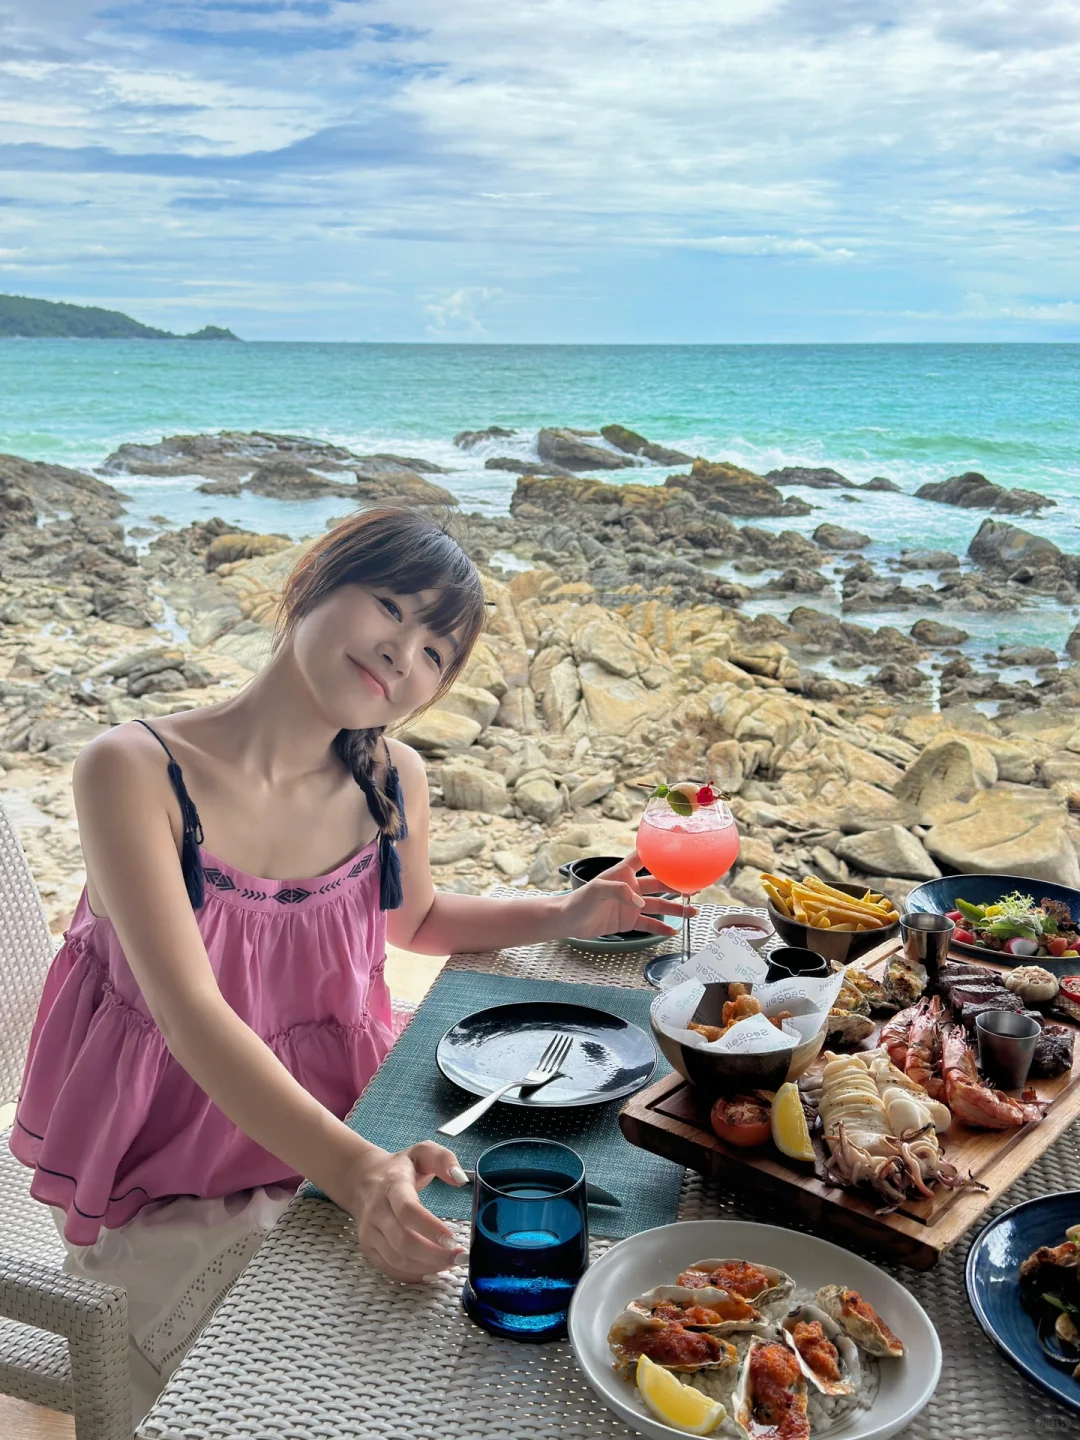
[408, 1099]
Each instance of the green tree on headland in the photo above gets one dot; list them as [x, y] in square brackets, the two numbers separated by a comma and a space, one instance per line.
[24, 318]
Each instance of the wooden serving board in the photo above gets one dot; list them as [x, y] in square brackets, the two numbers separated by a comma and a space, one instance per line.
[671, 1118]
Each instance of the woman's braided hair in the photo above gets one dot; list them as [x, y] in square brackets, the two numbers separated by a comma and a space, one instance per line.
[406, 553]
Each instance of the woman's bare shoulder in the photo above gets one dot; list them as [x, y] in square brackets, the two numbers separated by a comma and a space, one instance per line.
[125, 756]
[405, 760]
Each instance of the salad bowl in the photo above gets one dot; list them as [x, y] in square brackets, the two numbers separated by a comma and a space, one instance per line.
[940, 897]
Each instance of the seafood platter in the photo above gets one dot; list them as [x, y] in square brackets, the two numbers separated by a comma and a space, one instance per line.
[818, 1344]
[892, 1134]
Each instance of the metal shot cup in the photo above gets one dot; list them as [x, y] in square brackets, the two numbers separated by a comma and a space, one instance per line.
[926, 940]
[1006, 1045]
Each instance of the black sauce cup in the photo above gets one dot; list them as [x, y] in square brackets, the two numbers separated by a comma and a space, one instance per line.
[580, 872]
[788, 961]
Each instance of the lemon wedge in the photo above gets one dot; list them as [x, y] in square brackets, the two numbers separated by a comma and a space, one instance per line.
[790, 1132]
[676, 1404]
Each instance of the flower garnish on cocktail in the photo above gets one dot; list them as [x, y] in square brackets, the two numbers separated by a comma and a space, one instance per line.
[687, 839]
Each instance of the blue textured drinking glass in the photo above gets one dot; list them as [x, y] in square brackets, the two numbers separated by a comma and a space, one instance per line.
[530, 1239]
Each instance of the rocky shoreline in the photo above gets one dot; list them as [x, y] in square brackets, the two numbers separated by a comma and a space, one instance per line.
[618, 653]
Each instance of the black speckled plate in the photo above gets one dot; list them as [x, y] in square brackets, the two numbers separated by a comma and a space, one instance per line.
[609, 1059]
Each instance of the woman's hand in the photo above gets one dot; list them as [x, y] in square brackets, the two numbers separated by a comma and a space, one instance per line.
[620, 899]
[394, 1231]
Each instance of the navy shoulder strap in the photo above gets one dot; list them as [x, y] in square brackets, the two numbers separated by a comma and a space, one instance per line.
[190, 860]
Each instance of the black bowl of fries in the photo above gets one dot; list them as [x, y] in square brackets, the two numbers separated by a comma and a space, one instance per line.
[840, 922]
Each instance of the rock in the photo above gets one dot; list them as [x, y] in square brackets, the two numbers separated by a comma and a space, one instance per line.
[952, 768]
[900, 679]
[616, 706]
[509, 863]
[448, 849]
[538, 797]
[835, 537]
[472, 702]
[165, 681]
[560, 694]
[1033, 655]
[882, 483]
[855, 805]
[616, 806]
[247, 643]
[937, 636]
[466, 786]
[998, 545]
[631, 443]
[469, 439]
[570, 449]
[437, 730]
[591, 790]
[1072, 644]
[220, 487]
[735, 491]
[523, 467]
[892, 850]
[286, 480]
[973, 491]
[611, 646]
[928, 560]
[818, 477]
[1009, 832]
[727, 765]
[227, 548]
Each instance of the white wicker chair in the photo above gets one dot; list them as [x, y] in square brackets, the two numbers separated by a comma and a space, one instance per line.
[63, 1339]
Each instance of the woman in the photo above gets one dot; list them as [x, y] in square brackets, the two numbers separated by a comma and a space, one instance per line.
[210, 1019]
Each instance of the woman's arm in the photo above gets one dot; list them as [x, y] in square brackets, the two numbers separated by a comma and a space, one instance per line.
[124, 803]
[431, 923]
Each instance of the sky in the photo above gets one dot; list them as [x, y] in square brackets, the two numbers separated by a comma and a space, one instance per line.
[548, 171]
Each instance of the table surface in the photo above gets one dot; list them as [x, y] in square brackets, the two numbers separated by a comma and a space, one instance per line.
[314, 1344]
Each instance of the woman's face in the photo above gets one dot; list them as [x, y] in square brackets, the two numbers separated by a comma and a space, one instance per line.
[368, 658]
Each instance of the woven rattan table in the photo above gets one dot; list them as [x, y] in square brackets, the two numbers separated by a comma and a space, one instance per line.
[313, 1344]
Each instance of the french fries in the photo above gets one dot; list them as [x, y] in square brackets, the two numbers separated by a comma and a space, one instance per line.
[812, 902]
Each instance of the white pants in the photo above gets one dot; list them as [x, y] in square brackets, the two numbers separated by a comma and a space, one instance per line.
[177, 1260]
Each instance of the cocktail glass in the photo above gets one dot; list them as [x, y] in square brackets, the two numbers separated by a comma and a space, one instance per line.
[687, 839]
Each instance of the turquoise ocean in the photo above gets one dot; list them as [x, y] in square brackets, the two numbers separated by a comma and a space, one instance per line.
[910, 412]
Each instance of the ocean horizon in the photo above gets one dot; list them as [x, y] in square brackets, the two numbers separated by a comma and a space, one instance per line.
[911, 412]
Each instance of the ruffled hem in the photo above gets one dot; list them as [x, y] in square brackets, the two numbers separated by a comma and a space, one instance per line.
[109, 1121]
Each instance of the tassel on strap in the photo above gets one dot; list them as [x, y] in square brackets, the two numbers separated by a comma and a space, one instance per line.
[190, 860]
[390, 890]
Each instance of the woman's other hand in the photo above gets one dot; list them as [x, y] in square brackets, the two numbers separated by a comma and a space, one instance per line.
[620, 899]
[393, 1229]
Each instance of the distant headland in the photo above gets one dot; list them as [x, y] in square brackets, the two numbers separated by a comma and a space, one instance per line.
[22, 318]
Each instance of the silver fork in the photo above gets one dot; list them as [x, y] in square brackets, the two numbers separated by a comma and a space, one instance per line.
[546, 1069]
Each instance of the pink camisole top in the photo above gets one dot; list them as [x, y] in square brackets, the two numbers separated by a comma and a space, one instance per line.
[109, 1121]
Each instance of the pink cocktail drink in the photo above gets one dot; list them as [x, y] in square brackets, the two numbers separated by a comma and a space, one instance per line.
[687, 852]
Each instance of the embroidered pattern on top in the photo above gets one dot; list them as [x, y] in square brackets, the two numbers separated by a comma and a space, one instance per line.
[290, 894]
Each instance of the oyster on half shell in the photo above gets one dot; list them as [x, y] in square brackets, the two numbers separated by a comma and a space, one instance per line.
[771, 1397]
[763, 1285]
[689, 1306]
[827, 1357]
[668, 1344]
[857, 1318]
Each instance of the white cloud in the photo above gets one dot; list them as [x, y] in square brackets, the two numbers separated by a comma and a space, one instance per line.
[552, 154]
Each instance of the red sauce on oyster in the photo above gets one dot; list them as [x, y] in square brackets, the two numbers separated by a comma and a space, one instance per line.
[774, 1374]
[737, 1277]
[816, 1349]
[854, 1304]
[685, 1314]
[675, 1346]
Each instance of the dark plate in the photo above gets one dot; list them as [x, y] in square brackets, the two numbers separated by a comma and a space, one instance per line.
[938, 897]
[993, 1286]
[610, 1058]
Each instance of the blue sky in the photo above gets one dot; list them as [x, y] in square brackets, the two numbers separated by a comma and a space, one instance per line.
[548, 170]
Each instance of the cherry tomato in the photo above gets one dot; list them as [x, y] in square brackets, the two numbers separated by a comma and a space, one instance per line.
[954, 915]
[964, 937]
[1056, 945]
[741, 1120]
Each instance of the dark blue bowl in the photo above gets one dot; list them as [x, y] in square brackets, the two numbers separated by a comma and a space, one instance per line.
[938, 897]
[992, 1277]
